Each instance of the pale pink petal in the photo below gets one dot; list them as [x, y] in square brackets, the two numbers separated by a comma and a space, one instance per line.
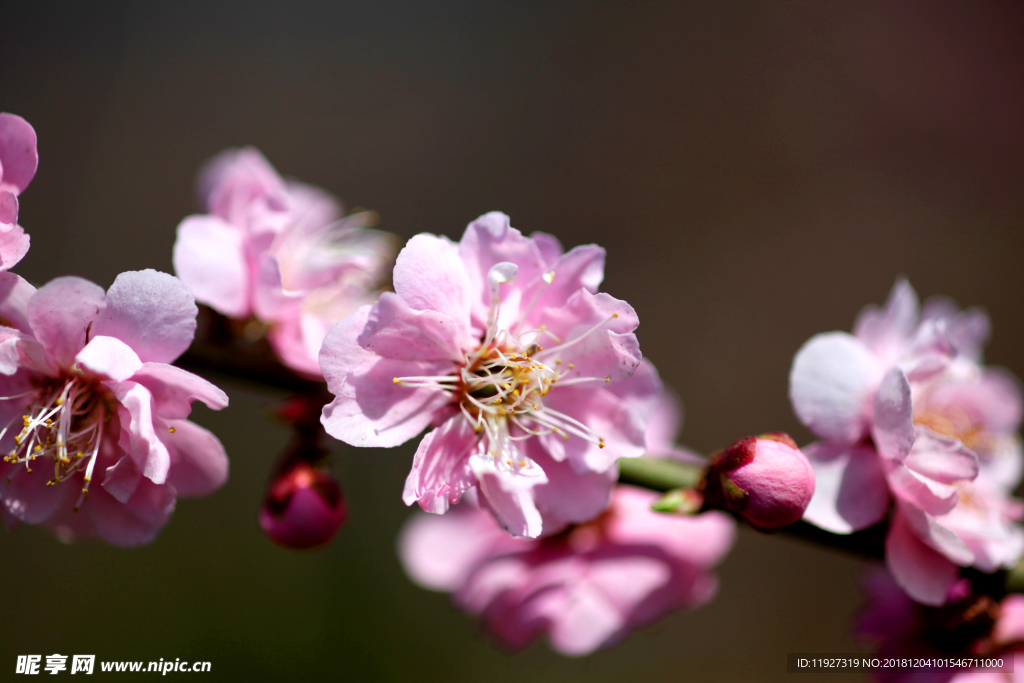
[19, 157]
[15, 293]
[209, 257]
[14, 244]
[831, 385]
[665, 424]
[893, 428]
[935, 534]
[701, 540]
[429, 275]
[596, 336]
[10, 360]
[138, 436]
[438, 552]
[440, 471]
[199, 465]
[233, 179]
[152, 312]
[8, 211]
[941, 458]
[568, 497]
[369, 409]
[967, 330]
[394, 330]
[490, 240]
[136, 522]
[581, 268]
[933, 497]
[509, 498]
[110, 358]
[589, 620]
[614, 419]
[271, 301]
[1010, 626]
[174, 389]
[921, 571]
[27, 498]
[884, 331]
[60, 313]
[549, 246]
[850, 491]
[122, 478]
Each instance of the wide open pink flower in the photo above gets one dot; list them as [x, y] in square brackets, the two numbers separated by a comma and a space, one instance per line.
[908, 414]
[532, 379]
[280, 251]
[585, 588]
[104, 404]
[18, 162]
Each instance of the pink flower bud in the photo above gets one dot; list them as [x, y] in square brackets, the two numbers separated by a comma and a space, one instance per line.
[304, 507]
[764, 478]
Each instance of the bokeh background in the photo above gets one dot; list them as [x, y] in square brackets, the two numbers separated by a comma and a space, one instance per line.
[758, 171]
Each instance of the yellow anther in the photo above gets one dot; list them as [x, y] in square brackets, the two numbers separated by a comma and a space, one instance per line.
[572, 365]
[615, 315]
[60, 400]
[172, 430]
[396, 381]
[607, 379]
[88, 479]
[558, 360]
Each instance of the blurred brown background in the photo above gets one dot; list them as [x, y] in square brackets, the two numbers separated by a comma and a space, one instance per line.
[758, 171]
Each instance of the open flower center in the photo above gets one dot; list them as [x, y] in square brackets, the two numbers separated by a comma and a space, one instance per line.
[501, 385]
[63, 422]
[956, 424]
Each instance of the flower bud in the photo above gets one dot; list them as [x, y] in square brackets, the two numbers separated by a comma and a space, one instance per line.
[304, 507]
[764, 478]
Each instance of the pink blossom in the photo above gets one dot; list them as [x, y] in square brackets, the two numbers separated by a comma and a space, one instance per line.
[102, 402]
[586, 587]
[908, 415]
[971, 625]
[531, 380]
[18, 162]
[764, 478]
[280, 251]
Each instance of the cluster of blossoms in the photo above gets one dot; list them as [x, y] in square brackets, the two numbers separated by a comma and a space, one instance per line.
[912, 422]
[280, 252]
[87, 391]
[531, 379]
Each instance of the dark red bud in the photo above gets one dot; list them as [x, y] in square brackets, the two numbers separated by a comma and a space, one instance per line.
[304, 507]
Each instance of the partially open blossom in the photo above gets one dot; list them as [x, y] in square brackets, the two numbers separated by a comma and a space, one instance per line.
[764, 478]
[304, 507]
[970, 625]
[908, 415]
[584, 588]
[93, 418]
[18, 162]
[531, 380]
[280, 251]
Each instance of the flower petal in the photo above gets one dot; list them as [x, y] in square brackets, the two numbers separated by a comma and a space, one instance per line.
[209, 257]
[830, 386]
[136, 522]
[581, 268]
[933, 497]
[940, 458]
[27, 498]
[110, 358]
[14, 244]
[138, 436]
[15, 293]
[122, 478]
[174, 389]
[439, 552]
[369, 409]
[152, 312]
[60, 313]
[850, 491]
[509, 497]
[19, 157]
[394, 330]
[568, 497]
[884, 331]
[490, 240]
[594, 332]
[430, 276]
[921, 571]
[440, 471]
[199, 465]
[893, 427]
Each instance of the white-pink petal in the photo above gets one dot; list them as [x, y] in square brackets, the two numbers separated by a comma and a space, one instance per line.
[850, 490]
[209, 257]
